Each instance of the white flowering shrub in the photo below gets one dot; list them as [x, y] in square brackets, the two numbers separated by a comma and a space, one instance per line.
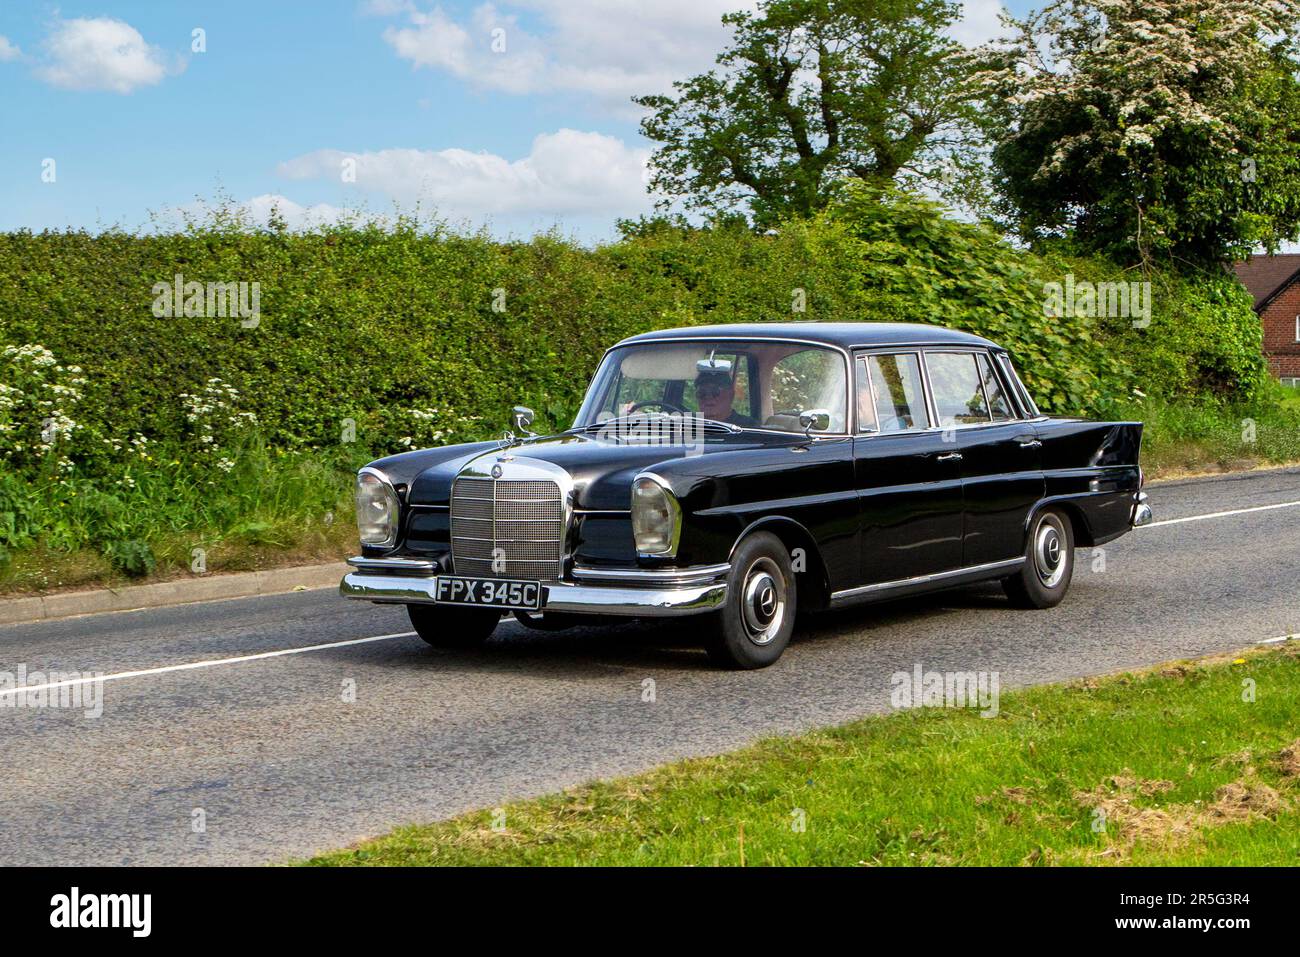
[430, 427]
[1150, 126]
[217, 425]
[38, 397]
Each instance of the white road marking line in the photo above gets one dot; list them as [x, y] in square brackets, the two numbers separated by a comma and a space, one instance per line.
[1234, 511]
[1278, 640]
[214, 662]
[210, 663]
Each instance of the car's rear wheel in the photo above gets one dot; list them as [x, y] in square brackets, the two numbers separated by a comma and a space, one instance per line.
[449, 626]
[1049, 562]
[755, 625]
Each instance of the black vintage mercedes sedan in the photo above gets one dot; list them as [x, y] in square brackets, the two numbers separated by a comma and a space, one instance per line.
[740, 473]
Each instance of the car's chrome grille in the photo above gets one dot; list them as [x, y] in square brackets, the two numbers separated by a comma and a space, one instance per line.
[507, 528]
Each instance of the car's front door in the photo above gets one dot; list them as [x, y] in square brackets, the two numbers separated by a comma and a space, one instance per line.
[908, 479]
[1001, 460]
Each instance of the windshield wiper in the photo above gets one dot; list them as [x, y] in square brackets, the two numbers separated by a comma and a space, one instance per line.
[657, 419]
[729, 426]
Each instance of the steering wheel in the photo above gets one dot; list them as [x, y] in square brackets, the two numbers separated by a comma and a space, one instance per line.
[661, 403]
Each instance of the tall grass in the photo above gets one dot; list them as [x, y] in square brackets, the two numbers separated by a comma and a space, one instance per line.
[167, 516]
[1207, 434]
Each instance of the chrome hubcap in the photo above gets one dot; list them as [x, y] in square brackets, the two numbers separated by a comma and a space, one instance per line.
[1049, 551]
[762, 601]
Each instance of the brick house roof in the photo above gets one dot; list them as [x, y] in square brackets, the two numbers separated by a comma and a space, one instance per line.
[1266, 276]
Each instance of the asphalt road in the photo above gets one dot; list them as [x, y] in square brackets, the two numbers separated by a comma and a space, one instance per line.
[271, 757]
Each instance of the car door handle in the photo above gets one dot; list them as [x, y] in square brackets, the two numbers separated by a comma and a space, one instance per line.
[950, 457]
[1031, 444]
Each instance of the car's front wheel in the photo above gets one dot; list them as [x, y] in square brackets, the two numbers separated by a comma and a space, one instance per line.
[755, 625]
[1049, 562]
[449, 626]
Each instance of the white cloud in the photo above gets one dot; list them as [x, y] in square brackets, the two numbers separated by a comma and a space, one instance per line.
[611, 49]
[257, 212]
[979, 22]
[101, 54]
[8, 50]
[566, 173]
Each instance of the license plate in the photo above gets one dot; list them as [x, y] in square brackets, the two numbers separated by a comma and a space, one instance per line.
[488, 592]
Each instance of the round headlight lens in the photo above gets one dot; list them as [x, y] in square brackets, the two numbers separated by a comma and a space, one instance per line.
[654, 518]
[377, 510]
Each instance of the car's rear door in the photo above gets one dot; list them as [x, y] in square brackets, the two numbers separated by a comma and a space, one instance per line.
[908, 480]
[1001, 453]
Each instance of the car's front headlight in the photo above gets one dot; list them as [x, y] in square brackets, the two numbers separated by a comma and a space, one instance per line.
[656, 518]
[377, 509]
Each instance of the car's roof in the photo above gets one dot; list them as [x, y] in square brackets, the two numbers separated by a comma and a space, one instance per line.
[845, 335]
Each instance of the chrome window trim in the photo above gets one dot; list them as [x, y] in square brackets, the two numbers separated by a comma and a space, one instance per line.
[931, 409]
[850, 412]
[1007, 400]
[862, 356]
[972, 351]
[1027, 401]
[916, 344]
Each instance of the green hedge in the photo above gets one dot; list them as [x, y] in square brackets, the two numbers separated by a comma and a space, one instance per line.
[394, 328]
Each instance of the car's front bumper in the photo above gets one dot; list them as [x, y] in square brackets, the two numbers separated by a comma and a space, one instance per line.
[634, 592]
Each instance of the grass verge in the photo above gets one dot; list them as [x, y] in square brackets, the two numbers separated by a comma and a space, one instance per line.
[172, 518]
[1206, 436]
[1172, 766]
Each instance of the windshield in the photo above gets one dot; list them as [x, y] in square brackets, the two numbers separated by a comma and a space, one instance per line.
[746, 384]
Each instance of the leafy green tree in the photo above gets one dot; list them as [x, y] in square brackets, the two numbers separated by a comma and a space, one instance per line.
[1150, 128]
[810, 92]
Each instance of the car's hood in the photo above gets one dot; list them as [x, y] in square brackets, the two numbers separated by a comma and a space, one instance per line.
[602, 468]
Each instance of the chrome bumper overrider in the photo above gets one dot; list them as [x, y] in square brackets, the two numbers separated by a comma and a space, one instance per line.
[1141, 511]
[632, 593]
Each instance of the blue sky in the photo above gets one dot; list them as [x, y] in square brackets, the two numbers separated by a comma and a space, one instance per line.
[407, 101]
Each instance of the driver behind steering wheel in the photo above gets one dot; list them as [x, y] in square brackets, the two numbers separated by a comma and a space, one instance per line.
[715, 393]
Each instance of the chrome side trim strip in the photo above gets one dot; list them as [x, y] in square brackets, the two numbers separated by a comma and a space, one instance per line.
[883, 588]
[690, 575]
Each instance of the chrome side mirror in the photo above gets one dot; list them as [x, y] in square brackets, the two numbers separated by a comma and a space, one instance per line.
[814, 420]
[521, 417]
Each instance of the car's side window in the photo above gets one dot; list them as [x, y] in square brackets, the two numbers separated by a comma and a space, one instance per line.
[808, 379]
[999, 406]
[1026, 400]
[897, 397]
[866, 406]
[958, 392]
